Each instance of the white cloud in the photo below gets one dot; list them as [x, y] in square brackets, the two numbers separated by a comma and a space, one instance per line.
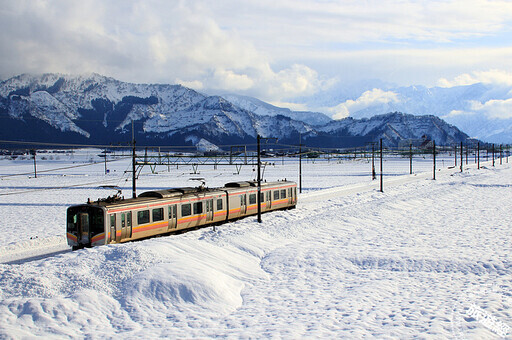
[495, 77]
[367, 99]
[150, 41]
[274, 50]
[491, 109]
[495, 109]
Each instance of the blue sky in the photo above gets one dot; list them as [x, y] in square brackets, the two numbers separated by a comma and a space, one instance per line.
[276, 50]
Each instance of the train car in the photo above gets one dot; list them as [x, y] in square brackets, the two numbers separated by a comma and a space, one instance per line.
[116, 220]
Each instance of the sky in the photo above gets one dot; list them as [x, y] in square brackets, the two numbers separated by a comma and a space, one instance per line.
[277, 50]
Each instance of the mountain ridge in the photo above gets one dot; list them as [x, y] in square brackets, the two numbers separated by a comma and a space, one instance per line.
[86, 108]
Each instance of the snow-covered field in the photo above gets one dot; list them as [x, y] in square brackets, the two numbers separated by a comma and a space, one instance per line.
[429, 259]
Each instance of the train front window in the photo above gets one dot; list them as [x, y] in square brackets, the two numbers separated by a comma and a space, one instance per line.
[85, 219]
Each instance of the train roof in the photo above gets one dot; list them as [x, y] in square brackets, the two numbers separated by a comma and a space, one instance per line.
[180, 192]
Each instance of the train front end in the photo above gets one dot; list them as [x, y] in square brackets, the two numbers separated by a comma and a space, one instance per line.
[85, 226]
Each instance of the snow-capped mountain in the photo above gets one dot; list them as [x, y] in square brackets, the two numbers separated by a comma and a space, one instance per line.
[94, 109]
[264, 109]
[479, 109]
[396, 127]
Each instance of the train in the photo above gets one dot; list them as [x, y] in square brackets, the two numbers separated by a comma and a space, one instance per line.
[117, 220]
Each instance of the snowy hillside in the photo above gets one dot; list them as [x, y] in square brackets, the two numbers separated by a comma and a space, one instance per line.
[423, 259]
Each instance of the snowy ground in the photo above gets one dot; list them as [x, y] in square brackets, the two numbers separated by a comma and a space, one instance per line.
[425, 258]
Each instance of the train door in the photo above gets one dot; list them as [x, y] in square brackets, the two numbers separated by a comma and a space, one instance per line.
[173, 216]
[268, 199]
[112, 227]
[209, 210]
[118, 229]
[84, 228]
[243, 203]
[126, 225]
[290, 195]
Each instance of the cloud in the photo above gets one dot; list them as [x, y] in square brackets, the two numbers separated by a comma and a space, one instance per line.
[495, 77]
[149, 41]
[367, 99]
[495, 109]
[278, 51]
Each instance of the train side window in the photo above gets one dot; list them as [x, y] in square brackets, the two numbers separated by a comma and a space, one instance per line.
[276, 195]
[129, 218]
[158, 214]
[113, 220]
[283, 193]
[269, 195]
[294, 192]
[262, 197]
[186, 210]
[219, 204]
[243, 200]
[198, 208]
[252, 198]
[289, 192]
[143, 216]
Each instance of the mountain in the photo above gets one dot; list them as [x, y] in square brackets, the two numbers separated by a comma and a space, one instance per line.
[93, 109]
[481, 110]
[264, 109]
[395, 127]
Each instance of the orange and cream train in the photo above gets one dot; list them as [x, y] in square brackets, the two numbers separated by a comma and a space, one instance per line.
[116, 220]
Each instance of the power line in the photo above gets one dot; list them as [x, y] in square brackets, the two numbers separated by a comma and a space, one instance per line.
[64, 168]
[54, 188]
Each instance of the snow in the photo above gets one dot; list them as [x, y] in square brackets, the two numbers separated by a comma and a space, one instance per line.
[348, 262]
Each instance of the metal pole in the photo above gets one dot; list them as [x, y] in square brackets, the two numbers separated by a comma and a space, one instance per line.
[455, 153]
[300, 163]
[501, 154]
[35, 166]
[478, 153]
[493, 155]
[410, 159]
[105, 161]
[434, 154]
[259, 181]
[381, 173]
[461, 153]
[374, 176]
[134, 185]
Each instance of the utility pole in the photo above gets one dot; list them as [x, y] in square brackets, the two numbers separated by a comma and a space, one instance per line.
[374, 176]
[105, 161]
[259, 180]
[478, 154]
[493, 155]
[460, 156]
[381, 172]
[434, 155]
[300, 163]
[134, 185]
[33, 152]
[410, 158]
[258, 199]
[455, 153]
